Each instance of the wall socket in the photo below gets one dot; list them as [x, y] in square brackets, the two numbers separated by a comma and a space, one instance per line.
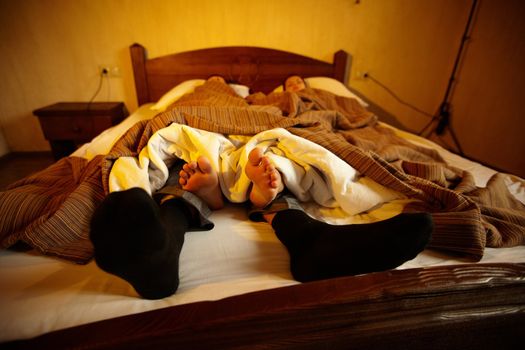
[109, 71]
[361, 75]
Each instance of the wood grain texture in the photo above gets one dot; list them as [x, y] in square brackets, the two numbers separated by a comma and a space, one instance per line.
[468, 306]
[260, 68]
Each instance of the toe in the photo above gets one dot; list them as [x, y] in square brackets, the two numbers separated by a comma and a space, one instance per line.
[204, 165]
[255, 156]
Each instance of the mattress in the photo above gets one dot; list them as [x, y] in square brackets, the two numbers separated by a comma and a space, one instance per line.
[43, 294]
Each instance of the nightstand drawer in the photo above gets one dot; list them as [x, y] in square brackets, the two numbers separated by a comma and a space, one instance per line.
[68, 128]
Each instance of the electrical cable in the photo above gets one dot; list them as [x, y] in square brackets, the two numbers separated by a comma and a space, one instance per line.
[109, 87]
[394, 95]
[101, 78]
[444, 114]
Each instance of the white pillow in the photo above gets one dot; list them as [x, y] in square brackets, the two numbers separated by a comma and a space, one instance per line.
[331, 85]
[241, 90]
[177, 92]
[189, 86]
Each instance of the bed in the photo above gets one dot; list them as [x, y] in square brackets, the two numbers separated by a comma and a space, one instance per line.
[239, 293]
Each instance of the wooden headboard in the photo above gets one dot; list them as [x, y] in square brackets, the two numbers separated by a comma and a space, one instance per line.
[261, 69]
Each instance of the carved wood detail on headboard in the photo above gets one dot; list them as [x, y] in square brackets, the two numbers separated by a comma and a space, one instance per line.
[261, 69]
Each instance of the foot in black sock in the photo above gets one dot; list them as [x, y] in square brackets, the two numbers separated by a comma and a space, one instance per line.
[138, 241]
[319, 250]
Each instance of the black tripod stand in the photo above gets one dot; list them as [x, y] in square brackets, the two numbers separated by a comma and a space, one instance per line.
[441, 120]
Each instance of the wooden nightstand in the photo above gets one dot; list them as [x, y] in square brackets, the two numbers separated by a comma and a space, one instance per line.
[69, 124]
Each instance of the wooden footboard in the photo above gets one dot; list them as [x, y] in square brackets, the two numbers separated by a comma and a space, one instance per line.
[468, 306]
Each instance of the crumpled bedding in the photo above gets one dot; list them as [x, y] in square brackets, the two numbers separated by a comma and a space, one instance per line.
[309, 171]
[466, 218]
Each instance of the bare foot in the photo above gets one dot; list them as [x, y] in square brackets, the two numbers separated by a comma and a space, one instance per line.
[267, 182]
[200, 179]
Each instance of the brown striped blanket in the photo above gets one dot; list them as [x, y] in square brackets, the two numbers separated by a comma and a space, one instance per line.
[51, 210]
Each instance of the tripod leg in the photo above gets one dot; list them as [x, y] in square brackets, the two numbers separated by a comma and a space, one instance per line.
[422, 132]
[456, 141]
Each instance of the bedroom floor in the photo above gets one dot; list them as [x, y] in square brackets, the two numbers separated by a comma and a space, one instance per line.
[15, 166]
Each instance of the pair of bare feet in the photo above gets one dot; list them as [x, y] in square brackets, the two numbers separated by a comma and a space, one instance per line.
[200, 178]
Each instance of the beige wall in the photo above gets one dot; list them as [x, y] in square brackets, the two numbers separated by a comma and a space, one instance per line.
[51, 51]
[413, 54]
[489, 96]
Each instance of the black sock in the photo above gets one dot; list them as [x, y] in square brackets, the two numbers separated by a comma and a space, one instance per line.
[139, 241]
[319, 250]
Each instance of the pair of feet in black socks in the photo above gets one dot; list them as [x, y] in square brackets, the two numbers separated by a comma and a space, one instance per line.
[138, 240]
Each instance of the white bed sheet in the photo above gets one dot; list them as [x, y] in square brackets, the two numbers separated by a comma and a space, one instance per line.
[41, 294]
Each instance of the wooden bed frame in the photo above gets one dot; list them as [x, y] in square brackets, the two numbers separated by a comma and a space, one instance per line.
[259, 68]
[468, 306]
